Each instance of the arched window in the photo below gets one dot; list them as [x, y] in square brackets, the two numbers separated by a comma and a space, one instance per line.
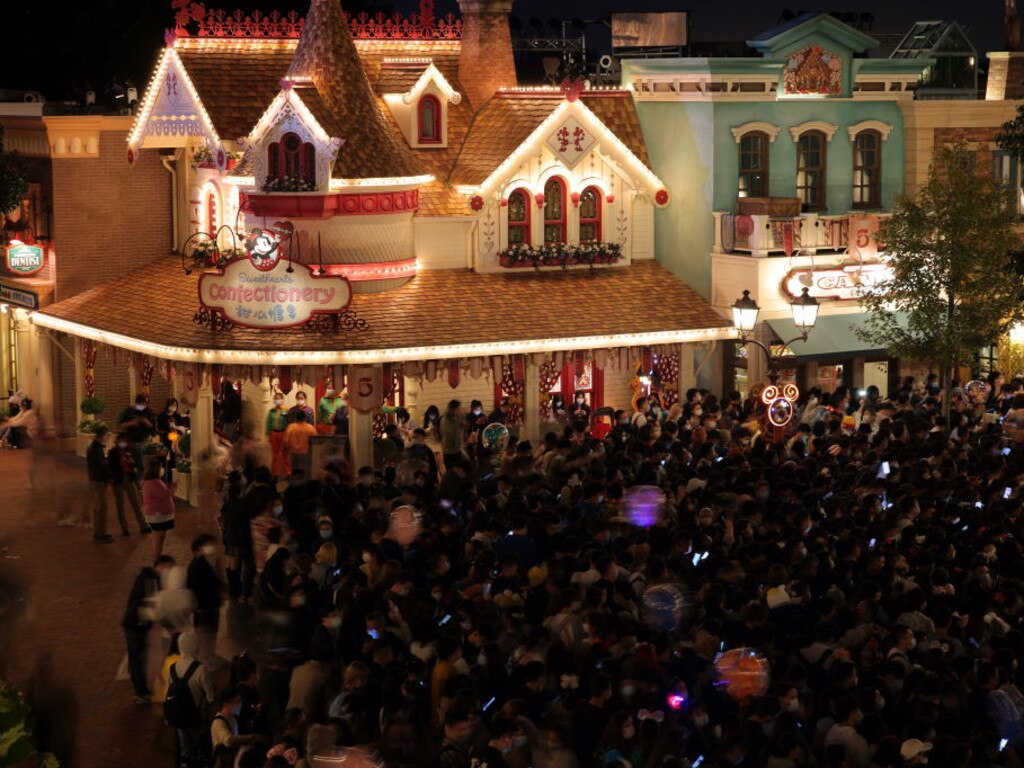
[753, 180]
[429, 120]
[810, 170]
[554, 210]
[293, 157]
[590, 214]
[867, 170]
[519, 218]
[211, 212]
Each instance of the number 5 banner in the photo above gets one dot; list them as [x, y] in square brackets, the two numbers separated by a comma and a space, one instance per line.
[365, 388]
[862, 236]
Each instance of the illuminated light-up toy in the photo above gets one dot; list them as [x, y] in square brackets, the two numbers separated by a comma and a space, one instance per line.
[645, 505]
[778, 409]
[663, 607]
[743, 672]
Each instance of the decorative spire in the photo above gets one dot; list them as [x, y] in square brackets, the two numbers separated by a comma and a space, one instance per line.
[327, 56]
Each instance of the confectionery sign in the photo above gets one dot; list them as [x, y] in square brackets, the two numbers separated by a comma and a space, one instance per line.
[282, 297]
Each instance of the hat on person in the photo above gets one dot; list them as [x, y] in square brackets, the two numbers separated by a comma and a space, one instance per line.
[695, 483]
[778, 596]
[537, 575]
[913, 748]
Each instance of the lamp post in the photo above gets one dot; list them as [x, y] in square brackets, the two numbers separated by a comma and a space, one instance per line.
[778, 401]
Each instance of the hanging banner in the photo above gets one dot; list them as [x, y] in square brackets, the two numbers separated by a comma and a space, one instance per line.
[275, 298]
[191, 380]
[365, 387]
[788, 238]
[862, 236]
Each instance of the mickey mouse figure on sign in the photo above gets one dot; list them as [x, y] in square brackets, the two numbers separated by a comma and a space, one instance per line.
[263, 245]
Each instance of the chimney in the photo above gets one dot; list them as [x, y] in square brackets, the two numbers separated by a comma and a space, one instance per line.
[485, 63]
[1005, 76]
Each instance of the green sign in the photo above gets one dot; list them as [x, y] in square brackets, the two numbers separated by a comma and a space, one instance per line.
[24, 259]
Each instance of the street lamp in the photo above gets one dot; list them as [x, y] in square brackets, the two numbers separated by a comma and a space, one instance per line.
[778, 401]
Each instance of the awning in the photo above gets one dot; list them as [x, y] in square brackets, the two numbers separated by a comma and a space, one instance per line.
[833, 338]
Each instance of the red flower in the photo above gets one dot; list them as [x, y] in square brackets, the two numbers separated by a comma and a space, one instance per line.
[661, 196]
[476, 203]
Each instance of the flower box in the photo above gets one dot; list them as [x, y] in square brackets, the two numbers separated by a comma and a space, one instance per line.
[299, 205]
[560, 255]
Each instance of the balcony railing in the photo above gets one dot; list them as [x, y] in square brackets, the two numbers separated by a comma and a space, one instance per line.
[764, 235]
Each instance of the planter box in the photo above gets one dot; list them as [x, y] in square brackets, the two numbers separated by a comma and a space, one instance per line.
[185, 483]
[297, 205]
[509, 262]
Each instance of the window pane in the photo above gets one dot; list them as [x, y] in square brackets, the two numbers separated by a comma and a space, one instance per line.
[553, 201]
[553, 233]
[516, 235]
[588, 204]
[517, 207]
[588, 232]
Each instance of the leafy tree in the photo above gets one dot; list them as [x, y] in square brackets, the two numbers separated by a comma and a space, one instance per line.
[13, 184]
[950, 248]
[1011, 138]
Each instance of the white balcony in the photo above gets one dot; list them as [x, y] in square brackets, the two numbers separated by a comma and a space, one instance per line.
[762, 235]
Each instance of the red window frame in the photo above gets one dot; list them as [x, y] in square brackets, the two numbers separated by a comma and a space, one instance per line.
[434, 123]
[523, 225]
[211, 213]
[297, 160]
[554, 190]
[594, 220]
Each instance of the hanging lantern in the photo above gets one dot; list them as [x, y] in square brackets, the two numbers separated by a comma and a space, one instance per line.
[539, 197]
[575, 197]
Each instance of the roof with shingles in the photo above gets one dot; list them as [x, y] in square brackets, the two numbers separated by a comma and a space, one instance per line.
[399, 77]
[508, 119]
[437, 308]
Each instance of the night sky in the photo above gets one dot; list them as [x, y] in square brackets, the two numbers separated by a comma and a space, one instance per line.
[57, 51]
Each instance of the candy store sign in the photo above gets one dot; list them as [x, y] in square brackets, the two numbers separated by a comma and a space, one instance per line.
[24, 259]
[842, 283]
[272, 299]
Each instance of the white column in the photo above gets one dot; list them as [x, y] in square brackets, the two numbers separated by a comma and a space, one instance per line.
[203, 443]
[43, 394]
[360, 438]
[531, 401]
[6, 363]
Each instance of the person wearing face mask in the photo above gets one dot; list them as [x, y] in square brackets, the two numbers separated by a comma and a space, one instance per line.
[138, 423]
[207, 588]
[224, 735]
[503, 735]
[99, 478]
[325, 527]
[276, 423]
[125, 483]
[844, 731]
[300, 407]
[171, 426]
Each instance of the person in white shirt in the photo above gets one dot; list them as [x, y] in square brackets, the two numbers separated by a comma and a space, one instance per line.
[224, 729]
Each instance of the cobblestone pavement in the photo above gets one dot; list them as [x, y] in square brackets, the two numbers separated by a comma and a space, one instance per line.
[63, 644]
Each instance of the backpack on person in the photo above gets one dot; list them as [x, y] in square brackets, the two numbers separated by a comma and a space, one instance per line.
[180, 708]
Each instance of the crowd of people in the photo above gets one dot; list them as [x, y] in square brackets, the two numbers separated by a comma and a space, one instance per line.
[471, 607]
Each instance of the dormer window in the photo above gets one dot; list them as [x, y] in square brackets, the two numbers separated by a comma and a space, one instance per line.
[291, 157]
[429, 120]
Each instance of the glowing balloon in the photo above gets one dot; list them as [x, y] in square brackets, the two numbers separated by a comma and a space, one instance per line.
[645, 505]
[663, 607]
[977, 391]
[495, 437]
[743, 672]
[404, 525]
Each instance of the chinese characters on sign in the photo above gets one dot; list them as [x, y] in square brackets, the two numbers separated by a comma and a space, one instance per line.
[571, 141]
[272, 299]
[843, 283]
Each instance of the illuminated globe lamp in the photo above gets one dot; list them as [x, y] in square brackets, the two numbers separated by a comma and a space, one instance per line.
[743, 673]
[663, 607]
[404, 525]
[777, 401]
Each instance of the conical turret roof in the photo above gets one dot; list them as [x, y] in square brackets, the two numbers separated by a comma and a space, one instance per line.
[327, 56]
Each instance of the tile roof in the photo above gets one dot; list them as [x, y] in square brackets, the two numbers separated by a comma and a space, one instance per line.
[399, 77]
[508, 119]
[217, 72]
[327, 54]
[438, 308]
